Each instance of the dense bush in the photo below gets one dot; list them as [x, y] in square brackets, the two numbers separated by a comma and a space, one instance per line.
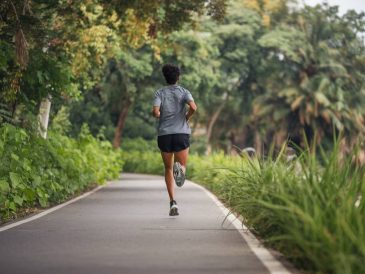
[37, 172]
[143, 162]
[141, 156]
[311, 212]
[139, 144]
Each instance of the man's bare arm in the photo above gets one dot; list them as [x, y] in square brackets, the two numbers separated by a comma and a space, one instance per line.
[192, 109]
[156, 112]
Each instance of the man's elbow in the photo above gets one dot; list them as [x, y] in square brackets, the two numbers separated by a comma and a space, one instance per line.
[156, 114]
[193, 107]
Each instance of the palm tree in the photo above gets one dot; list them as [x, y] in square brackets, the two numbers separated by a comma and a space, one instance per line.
[317, 87]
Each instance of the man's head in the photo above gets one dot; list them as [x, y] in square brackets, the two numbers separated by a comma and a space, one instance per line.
[171, 73]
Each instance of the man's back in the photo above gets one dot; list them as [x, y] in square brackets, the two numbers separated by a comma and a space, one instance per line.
[172, 101]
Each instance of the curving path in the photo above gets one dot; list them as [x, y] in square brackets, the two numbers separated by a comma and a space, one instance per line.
[124, 228]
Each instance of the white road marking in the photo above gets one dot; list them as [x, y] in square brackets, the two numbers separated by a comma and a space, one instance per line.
[43, 213]
[272, 264]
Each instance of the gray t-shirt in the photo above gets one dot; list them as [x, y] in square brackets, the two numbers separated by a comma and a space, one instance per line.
[172, 101]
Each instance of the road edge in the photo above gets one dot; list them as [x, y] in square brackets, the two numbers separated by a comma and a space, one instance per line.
[273, 265]
[50, 210]
[263, 254]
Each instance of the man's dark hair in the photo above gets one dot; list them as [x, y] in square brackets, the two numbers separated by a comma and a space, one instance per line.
[171, 73]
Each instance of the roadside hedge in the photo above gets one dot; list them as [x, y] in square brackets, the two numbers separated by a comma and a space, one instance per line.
[37, 172]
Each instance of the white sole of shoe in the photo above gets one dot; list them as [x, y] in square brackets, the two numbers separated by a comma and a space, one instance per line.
[179, 175]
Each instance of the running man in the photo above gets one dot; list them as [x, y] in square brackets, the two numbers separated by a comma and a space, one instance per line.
[169, 105]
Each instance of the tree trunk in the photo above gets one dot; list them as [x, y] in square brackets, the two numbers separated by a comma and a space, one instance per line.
[211, 124]
[231, 147]
[43, 116]
[244, 136]
[120, 125]
[258, 144]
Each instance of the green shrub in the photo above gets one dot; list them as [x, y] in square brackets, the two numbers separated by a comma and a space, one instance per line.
[143, 162]
[141, 156]
[139, 144]
[37, 172]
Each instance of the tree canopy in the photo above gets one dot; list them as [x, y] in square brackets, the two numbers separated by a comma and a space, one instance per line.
[261, 71]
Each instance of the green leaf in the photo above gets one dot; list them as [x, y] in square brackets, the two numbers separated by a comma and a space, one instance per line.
[29, 195]
[289, 92]
[15, 179]
[40, 76]
[40, 193]
[36, 181]
[322, 99]
[14, 157]
[10, 205]
[4, 186]
[26, 165]
[18, 200]
[43, 202]
[336, 121]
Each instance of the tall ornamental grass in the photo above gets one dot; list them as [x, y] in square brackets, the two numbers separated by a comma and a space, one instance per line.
[314, 214]
[311, 209]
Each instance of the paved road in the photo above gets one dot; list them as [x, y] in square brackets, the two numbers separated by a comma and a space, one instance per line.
[125, 228]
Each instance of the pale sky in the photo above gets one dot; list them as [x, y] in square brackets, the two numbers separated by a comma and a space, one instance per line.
[344, 5]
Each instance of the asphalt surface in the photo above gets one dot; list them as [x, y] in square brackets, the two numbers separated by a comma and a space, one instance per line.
[125, 228]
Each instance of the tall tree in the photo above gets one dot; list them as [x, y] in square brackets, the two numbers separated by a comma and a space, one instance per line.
[78, 38]
[239, 59]
[319, 81]
[123, 82]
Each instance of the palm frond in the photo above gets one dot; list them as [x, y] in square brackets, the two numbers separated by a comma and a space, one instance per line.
[6, 115]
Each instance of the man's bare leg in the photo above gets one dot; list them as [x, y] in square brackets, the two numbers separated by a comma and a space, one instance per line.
[168, 160]
[182, 157]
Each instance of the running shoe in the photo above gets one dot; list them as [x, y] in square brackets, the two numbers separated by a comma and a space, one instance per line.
[179, 174]
[173, 208]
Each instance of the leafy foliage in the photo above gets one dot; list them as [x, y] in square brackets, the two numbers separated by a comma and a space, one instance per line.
[62, 47]
[37, 172]
[5, 114]
[316, 85]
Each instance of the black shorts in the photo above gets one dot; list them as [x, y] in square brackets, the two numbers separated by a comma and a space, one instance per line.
[173, 142]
